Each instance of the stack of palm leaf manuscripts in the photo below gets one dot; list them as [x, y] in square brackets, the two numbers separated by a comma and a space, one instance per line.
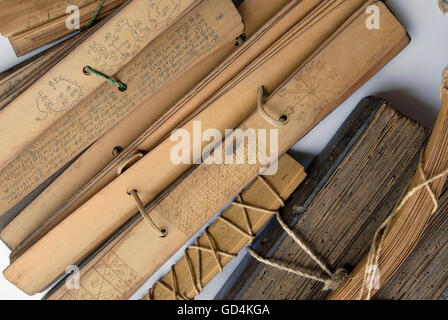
[31, 24]
[352, 192]
[87, 124]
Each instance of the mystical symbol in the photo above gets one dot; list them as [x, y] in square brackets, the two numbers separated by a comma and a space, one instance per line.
[78, 295]
[314, 87]
[95, 283]
[112, 277]
[101, 288]
[122, 43]
[62, 95]
[162, 12]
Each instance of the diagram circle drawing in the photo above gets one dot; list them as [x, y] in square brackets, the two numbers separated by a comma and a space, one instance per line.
[161, 13]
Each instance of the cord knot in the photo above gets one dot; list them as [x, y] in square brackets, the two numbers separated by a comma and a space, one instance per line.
[336, 279]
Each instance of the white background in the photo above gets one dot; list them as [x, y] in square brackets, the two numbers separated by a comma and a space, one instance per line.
[411, 82]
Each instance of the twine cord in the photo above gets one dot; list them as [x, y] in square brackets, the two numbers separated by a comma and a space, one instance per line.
[199, 277]
[212, 245]
[238, 229]
[331, 281]
[89, 70]
[95, 14]
[128, 161]
[213, 251]
[160, 232]
[123, 165]
[248, 206]
[380, 234]
[191, 272]
[195, 276]
[172, 290]
[175, 287]
[260, 107]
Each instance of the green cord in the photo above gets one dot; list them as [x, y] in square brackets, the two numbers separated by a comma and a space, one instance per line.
[121, 86]
[88, 70]
[97, 11]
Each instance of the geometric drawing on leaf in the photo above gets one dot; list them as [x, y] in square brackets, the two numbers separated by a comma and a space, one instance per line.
[315, 85]
[161, 13]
